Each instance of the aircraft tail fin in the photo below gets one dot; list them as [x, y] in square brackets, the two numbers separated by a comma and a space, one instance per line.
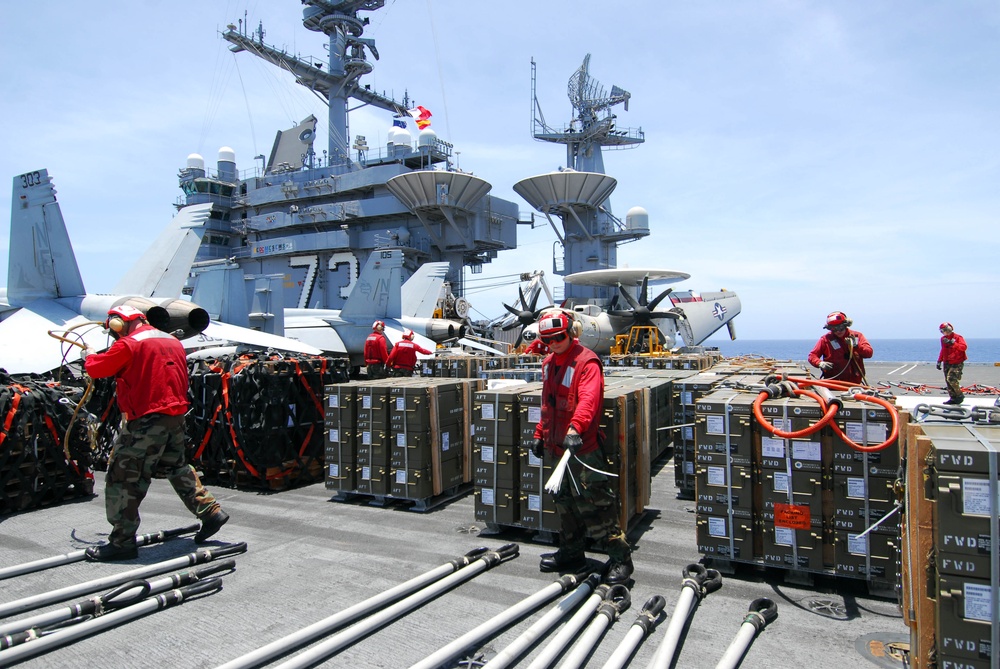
[701, 314]
[163, 269]
[421, 291]
[42, 262]
[378, 290]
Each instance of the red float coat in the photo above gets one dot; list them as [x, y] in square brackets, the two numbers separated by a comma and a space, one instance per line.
[150, 369]
[572, 394]
[537, 348]
[832, 348]
[404, 354]
[375, 349]
[953, 353]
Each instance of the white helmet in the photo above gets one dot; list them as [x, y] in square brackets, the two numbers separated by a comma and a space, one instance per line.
[378, 325]
[408, 334]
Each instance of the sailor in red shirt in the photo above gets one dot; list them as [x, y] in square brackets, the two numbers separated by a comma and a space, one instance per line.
[150, 370]
[403, 357]
[572, 404]
[953, 348]
[376, 352]
[841, 352]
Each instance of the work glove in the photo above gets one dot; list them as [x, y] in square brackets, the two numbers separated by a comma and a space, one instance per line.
[825, 365]
[87, 351]
[572, 442]
[853, 340]
[939, 365]
[538, 448]
[948, 341]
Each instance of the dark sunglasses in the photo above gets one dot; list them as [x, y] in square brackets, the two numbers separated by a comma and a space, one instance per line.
[553, 339]
[839, 328]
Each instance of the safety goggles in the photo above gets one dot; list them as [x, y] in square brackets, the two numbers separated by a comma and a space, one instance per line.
[838, 328]
[553, 339]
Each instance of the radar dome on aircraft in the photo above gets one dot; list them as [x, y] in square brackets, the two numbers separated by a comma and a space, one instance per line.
[427, 137]
[637, 218]
[195, 162]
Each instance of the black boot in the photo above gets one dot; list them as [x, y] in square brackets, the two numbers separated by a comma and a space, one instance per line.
[111, 553]
[560, 561]
[211, 524]
[619, 572]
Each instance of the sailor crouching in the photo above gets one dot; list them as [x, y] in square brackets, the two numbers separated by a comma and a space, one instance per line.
[403, 357]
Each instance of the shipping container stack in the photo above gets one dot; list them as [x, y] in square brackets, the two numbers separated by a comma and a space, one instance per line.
[801, 504]
[686, 393]
[950, 537]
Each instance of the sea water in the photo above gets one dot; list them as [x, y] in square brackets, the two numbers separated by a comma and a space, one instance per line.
[886, 350]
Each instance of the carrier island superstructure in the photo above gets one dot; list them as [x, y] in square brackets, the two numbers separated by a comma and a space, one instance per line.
[307, 221]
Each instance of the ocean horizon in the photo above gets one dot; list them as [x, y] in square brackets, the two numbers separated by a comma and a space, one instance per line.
[886, 350]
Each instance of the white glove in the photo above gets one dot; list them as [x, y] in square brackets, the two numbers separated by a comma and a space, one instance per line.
[825, 365]
[87, 351]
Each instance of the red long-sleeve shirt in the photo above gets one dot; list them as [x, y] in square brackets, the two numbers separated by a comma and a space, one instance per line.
[572, 394]
[404, 354]
[375, 348]
[954, 352]
[150, 369]
[848, 362]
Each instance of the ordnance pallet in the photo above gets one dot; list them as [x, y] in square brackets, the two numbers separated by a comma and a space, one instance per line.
[420, 505]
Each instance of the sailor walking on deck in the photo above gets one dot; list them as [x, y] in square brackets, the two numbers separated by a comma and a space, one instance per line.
[150, 370]
[403, 357]
[952, 355]
[841, 352]
[376, 352]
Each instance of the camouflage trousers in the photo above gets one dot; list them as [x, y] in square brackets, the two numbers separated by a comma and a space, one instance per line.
[148, 445]
[376, 370]
[953, 379]
[588, 507]
[401, 371]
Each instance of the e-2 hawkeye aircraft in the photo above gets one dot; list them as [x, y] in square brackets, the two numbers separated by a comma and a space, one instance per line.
[634, 323]
[45, 292]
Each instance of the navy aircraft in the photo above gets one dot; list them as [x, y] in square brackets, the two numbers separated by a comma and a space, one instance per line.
[45, 292]
[635, 323]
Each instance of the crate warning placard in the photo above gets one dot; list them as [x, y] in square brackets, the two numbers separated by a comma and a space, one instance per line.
[793, 516]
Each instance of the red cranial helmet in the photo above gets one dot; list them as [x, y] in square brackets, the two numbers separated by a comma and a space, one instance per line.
[408, 334]
[946, 326]
[837, 318]
[553, 326]
[378, 325]
[119, 316]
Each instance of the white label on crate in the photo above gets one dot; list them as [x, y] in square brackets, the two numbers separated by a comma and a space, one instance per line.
[489, 455]
[978, 602]
[689, 433]
[856, 432]
[445, 441]
[976, 497]
[366, 438]
[534, 414]
[487, 412]
[772, 448]
[334, 470]
[534, 502]
[717, 527]
[366, 401]
[401, 439]
[689, 467]
[334, 435]
[781, 482]
[366, 473]
[784, 536]
[686, 397]
[877, 433]
[333, 401]
[533, 461]
[716, 476]
[400, 404]
[855, 487]
[715, 424]
[783, 424]
[487, 496]
[401, 476]
[807, 450]
[857, 544]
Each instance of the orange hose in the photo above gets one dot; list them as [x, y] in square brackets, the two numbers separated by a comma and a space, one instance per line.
[829, 412]
[892, 434]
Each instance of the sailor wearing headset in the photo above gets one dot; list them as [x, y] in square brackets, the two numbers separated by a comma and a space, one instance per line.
[841, 352]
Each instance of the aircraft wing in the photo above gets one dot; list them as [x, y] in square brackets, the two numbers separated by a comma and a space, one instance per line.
[162, 270]
[314, 331]
[703, 313]
[218, 334]
[27, 348]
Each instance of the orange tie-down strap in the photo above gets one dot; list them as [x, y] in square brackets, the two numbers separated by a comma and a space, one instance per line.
[229, 417]
[15, 402]
[319, 407]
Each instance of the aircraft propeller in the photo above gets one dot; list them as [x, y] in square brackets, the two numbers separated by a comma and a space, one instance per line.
[526, 316]
[643, 311]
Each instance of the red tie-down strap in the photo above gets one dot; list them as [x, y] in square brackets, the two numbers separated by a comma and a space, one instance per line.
[229, 417]
[12, 412]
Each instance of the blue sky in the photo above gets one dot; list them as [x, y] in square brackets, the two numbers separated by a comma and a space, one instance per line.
[810, 156]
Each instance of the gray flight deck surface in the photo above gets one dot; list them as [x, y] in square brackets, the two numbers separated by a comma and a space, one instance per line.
[310, 557]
